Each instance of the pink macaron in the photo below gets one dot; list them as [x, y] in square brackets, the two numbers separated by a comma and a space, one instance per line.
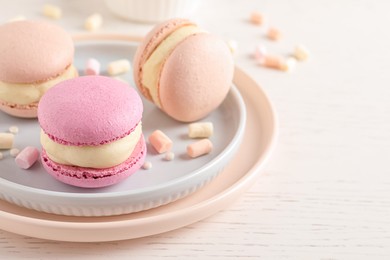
[184, 70]
[91, 131]
[34, 56]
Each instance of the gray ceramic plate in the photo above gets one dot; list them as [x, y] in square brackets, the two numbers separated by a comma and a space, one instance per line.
[164, 183]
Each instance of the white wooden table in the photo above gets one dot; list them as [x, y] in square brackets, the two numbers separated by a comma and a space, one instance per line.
[325, 193]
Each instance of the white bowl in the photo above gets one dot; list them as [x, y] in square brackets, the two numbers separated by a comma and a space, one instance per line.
[152, 11]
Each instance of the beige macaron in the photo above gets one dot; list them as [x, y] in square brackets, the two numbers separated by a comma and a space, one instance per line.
[184, 70]
[34, 56]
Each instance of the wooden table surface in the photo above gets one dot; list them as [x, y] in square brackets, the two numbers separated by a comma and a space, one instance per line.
[325, 193]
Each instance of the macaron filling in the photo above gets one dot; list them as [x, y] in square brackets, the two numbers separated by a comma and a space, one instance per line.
[28, 93]
[153, 65]
[101, 156]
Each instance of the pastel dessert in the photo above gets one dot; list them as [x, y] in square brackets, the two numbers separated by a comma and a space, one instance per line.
[34, 56]
[183, 70]
[91, 131]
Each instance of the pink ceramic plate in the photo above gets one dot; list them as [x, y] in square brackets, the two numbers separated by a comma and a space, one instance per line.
[239, 174]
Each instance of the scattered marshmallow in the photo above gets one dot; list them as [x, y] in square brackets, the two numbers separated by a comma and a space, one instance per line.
[160, 141]
[301, 53]
[27, 157]
[52, 11]
[256, 18]
[93, 22]
[199, 148]
[169, 156]
[233, 46]
[14, 152]
[290, 64]
[16, 18]
[92, 67]
[6, 140]
[147, 166]
[274, 34]
[13, 129]
[118, 67]
[273, 61]
[1, 155]
[260, 53]
[200, 130]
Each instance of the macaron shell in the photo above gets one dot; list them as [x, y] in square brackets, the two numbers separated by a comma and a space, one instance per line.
[149, 44]
[29, 111]
[33, 51]
[22, 111]
[89, 110]
[96, 178]
[196, 77]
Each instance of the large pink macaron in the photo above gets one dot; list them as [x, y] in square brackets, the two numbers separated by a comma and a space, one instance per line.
[90, 116]
[34, 55]
[193, 74]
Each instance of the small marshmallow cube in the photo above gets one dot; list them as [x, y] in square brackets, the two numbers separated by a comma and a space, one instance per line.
[118, 67]
[200, 130]
[160, 142]
[274, 62]
[301, 53]
[92, 67]
[274, 34]
[199, 148]
[13, 129]
[256, 18]
[169, 156]
[147, 166]
[289, 65]
[52, 11]
[6, 140]
[260, 53]
[27, 157]
[93, 22]
[14, 152]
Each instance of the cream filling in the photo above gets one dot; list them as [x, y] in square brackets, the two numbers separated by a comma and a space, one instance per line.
[27, 93]
[102, 156]
[152, 67]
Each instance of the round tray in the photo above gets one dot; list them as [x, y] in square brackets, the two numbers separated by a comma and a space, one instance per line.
[166, 182]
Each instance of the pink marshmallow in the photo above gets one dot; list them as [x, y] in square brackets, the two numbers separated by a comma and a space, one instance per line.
[160, 141]
[93, 67]
[27, 157]
[260, 53]
[256, 18]
[199, 148]
[274, 34]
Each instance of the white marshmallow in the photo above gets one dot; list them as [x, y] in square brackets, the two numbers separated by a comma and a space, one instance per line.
[200, 130]
[147, 166]
[13, 129]
[118, 67]
[93, 22]
[6, 140]
[52, 11]
[14, 152]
